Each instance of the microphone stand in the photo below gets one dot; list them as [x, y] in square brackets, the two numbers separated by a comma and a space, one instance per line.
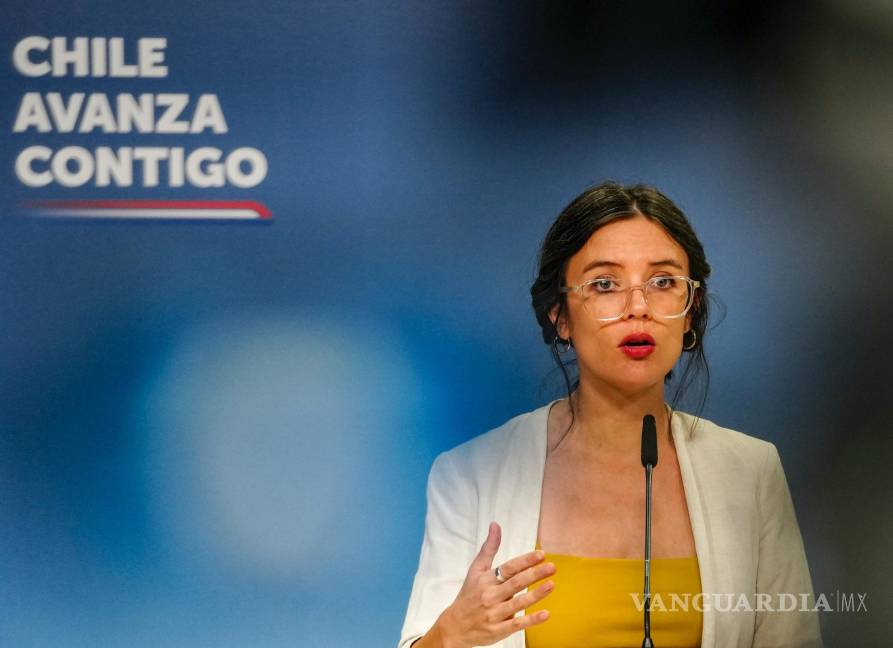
[646, 642]
[649, 461]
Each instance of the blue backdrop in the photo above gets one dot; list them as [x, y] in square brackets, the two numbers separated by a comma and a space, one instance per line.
[218, 433]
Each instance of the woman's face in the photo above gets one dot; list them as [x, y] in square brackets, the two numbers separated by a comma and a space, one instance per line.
[632, 250]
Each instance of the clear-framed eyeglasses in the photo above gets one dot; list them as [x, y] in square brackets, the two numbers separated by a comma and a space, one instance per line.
[607, 299]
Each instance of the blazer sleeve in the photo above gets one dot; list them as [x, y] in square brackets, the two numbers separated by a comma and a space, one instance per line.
[448, 547]
[782, 571]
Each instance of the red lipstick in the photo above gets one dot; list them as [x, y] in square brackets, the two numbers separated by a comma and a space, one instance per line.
[637, 345]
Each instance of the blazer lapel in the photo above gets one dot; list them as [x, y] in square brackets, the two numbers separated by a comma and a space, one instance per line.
[518, 493]
[520, 485]
[694, 500]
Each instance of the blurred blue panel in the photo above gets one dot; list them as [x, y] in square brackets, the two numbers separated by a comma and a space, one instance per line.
[219, 434]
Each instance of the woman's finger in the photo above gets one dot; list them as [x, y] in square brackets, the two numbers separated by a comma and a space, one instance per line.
[510, 626]
[516, 565]
[524, 601]
[521, 580]
[484, 560]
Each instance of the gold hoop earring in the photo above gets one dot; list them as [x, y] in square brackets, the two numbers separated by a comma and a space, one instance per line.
[561, 349]
[694, 340]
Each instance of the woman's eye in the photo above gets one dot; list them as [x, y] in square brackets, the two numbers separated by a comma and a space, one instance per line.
[603, 285]
[663, 283]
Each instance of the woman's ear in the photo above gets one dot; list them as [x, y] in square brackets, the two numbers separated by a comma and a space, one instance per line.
[559, 320]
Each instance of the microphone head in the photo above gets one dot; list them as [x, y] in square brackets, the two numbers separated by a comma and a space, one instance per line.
[649, 441]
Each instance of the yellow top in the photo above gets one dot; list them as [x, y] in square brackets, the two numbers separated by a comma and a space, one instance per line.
[598, 602]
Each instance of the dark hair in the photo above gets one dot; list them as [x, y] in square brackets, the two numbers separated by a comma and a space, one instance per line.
[595, 208]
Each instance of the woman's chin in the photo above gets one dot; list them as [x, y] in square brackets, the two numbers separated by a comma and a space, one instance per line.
[637, 379]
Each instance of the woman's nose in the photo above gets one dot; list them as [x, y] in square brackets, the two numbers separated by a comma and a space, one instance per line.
[636, 305]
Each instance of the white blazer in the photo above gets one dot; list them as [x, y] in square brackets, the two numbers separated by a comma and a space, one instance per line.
[746, 535]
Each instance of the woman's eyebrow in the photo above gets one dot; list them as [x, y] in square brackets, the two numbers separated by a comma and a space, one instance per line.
[613, 264]
[669, 262]
[598, 263]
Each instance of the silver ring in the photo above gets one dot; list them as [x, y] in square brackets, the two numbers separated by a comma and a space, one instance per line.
[499, 576]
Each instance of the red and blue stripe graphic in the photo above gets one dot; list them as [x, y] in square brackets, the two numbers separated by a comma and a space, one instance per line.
[197, 210]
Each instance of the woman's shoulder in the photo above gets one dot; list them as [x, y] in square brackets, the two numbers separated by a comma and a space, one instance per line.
[520, 433]
[708, 440]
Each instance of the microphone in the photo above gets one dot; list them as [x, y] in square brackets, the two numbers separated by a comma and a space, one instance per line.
[649, 441]
[649, 461]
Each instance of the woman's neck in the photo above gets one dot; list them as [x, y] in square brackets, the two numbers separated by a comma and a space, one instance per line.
[610, 420]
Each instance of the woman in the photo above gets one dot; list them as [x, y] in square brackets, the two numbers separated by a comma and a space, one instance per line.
[534, 532]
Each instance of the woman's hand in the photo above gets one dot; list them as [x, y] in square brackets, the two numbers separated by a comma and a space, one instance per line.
[484, 610]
